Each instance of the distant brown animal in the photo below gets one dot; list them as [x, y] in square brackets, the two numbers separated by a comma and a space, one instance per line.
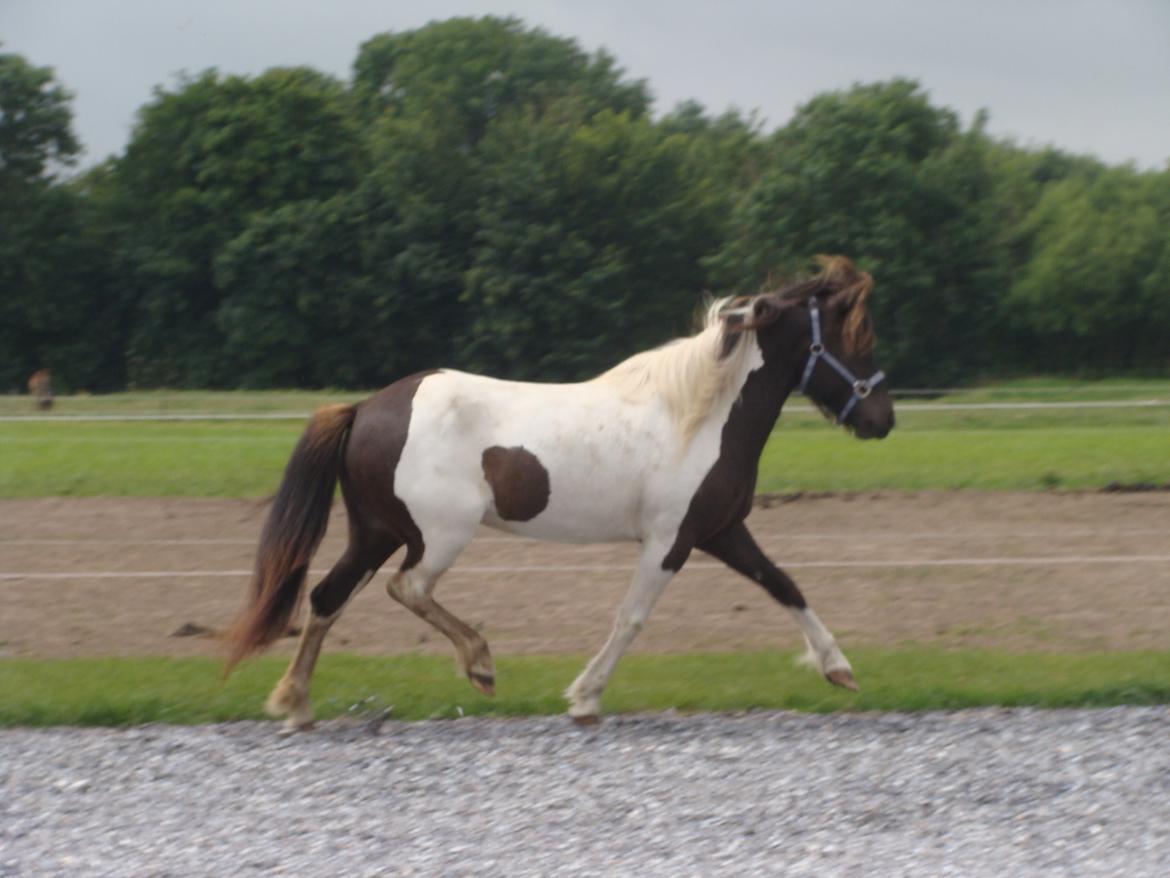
[40, 386]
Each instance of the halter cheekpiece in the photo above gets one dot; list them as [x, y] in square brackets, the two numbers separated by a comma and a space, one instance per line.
[862, 387]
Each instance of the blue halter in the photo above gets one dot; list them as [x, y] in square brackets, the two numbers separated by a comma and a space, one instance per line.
[862, 387]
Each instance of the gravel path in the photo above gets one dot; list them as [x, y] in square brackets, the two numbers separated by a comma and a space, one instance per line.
[985, 792]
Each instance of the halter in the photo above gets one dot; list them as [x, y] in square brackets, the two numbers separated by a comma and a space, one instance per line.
[862, 387]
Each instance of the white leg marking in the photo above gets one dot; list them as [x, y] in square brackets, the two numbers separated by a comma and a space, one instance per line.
[290, 696]
[822, 653]
[584, 694]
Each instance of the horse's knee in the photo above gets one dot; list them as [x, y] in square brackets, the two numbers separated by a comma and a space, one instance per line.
[408, 588]
[633, 620]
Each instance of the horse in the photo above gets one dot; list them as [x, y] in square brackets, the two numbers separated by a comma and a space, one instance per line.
[663, 449]
[40, 387]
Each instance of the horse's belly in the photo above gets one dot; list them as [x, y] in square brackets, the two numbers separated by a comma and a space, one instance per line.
[549, 531]
[580, 521]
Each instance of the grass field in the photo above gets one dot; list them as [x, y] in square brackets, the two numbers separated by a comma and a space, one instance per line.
[933, 446]
[131, 691]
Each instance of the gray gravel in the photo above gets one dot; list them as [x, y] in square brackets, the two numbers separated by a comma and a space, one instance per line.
[984, 792]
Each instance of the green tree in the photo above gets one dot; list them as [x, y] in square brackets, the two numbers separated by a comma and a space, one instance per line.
[313, 298]
[1094, 293]
[463, 73]
[729, 149]
[882, 175]
[589, 246]
[36, 121]
[432, 100]
[203, 160]
[51, 280]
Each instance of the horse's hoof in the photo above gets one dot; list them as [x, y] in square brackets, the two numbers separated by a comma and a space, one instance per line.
[843, 677]
[483, 682]
[288, 728]
[587, 720]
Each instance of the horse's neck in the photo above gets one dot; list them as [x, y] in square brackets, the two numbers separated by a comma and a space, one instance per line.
[753, 417]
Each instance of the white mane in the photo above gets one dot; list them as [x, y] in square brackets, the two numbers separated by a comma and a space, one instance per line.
[687, 374]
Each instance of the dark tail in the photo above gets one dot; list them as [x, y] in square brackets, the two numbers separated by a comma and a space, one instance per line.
[295, 527]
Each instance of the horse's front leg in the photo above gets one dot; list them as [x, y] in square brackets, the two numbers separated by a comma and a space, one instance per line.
[736, 548]
[584, 694]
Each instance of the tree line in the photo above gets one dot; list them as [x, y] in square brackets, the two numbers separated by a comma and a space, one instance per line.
[488, 196]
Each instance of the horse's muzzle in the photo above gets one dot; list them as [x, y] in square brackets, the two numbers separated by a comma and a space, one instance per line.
[873, 427]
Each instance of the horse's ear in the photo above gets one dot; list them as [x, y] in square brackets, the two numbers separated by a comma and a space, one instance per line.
[759, 312]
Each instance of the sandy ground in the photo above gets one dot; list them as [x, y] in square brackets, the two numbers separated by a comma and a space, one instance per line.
[97, 577]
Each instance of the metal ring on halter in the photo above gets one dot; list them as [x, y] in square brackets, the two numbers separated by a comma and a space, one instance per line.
[816, 348]
[861, 388]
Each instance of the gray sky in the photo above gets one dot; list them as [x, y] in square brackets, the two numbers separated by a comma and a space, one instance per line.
[1089, 76]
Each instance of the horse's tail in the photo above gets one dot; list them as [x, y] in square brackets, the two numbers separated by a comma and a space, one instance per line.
[295, 527]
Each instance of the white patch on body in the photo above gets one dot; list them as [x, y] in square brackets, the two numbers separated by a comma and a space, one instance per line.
[618, 468]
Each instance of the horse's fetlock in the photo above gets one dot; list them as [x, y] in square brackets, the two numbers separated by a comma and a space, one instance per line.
[288, 697]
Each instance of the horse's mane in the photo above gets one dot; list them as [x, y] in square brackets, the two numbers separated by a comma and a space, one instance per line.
[839, 277]
[689, 374]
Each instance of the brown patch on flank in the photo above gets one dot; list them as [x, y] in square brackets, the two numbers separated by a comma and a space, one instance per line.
[518, 480]
[371, 461]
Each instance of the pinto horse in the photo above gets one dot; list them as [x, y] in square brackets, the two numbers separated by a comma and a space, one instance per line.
[663, 449]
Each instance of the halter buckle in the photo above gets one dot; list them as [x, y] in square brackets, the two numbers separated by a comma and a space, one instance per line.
[861, 388]
[816, 348]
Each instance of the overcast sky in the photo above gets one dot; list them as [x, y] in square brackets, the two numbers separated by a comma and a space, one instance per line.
[1090, 76]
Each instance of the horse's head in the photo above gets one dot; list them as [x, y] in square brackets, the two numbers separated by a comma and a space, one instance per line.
[819, 331]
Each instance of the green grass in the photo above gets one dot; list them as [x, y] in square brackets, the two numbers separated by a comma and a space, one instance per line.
[114, 692]
[932, 447]
[153, 459]
[1049, 389]
[909, 459]
[183, 402]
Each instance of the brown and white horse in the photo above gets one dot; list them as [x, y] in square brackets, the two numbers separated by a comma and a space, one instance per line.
[663, 450]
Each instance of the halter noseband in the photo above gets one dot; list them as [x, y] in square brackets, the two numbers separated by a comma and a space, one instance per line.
[862, 387]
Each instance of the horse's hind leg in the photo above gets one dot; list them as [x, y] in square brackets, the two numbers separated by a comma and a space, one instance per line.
[736, 548]
[412, 588]
[361, 560]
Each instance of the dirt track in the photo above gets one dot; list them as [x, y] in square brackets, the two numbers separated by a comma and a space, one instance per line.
[887, 591]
